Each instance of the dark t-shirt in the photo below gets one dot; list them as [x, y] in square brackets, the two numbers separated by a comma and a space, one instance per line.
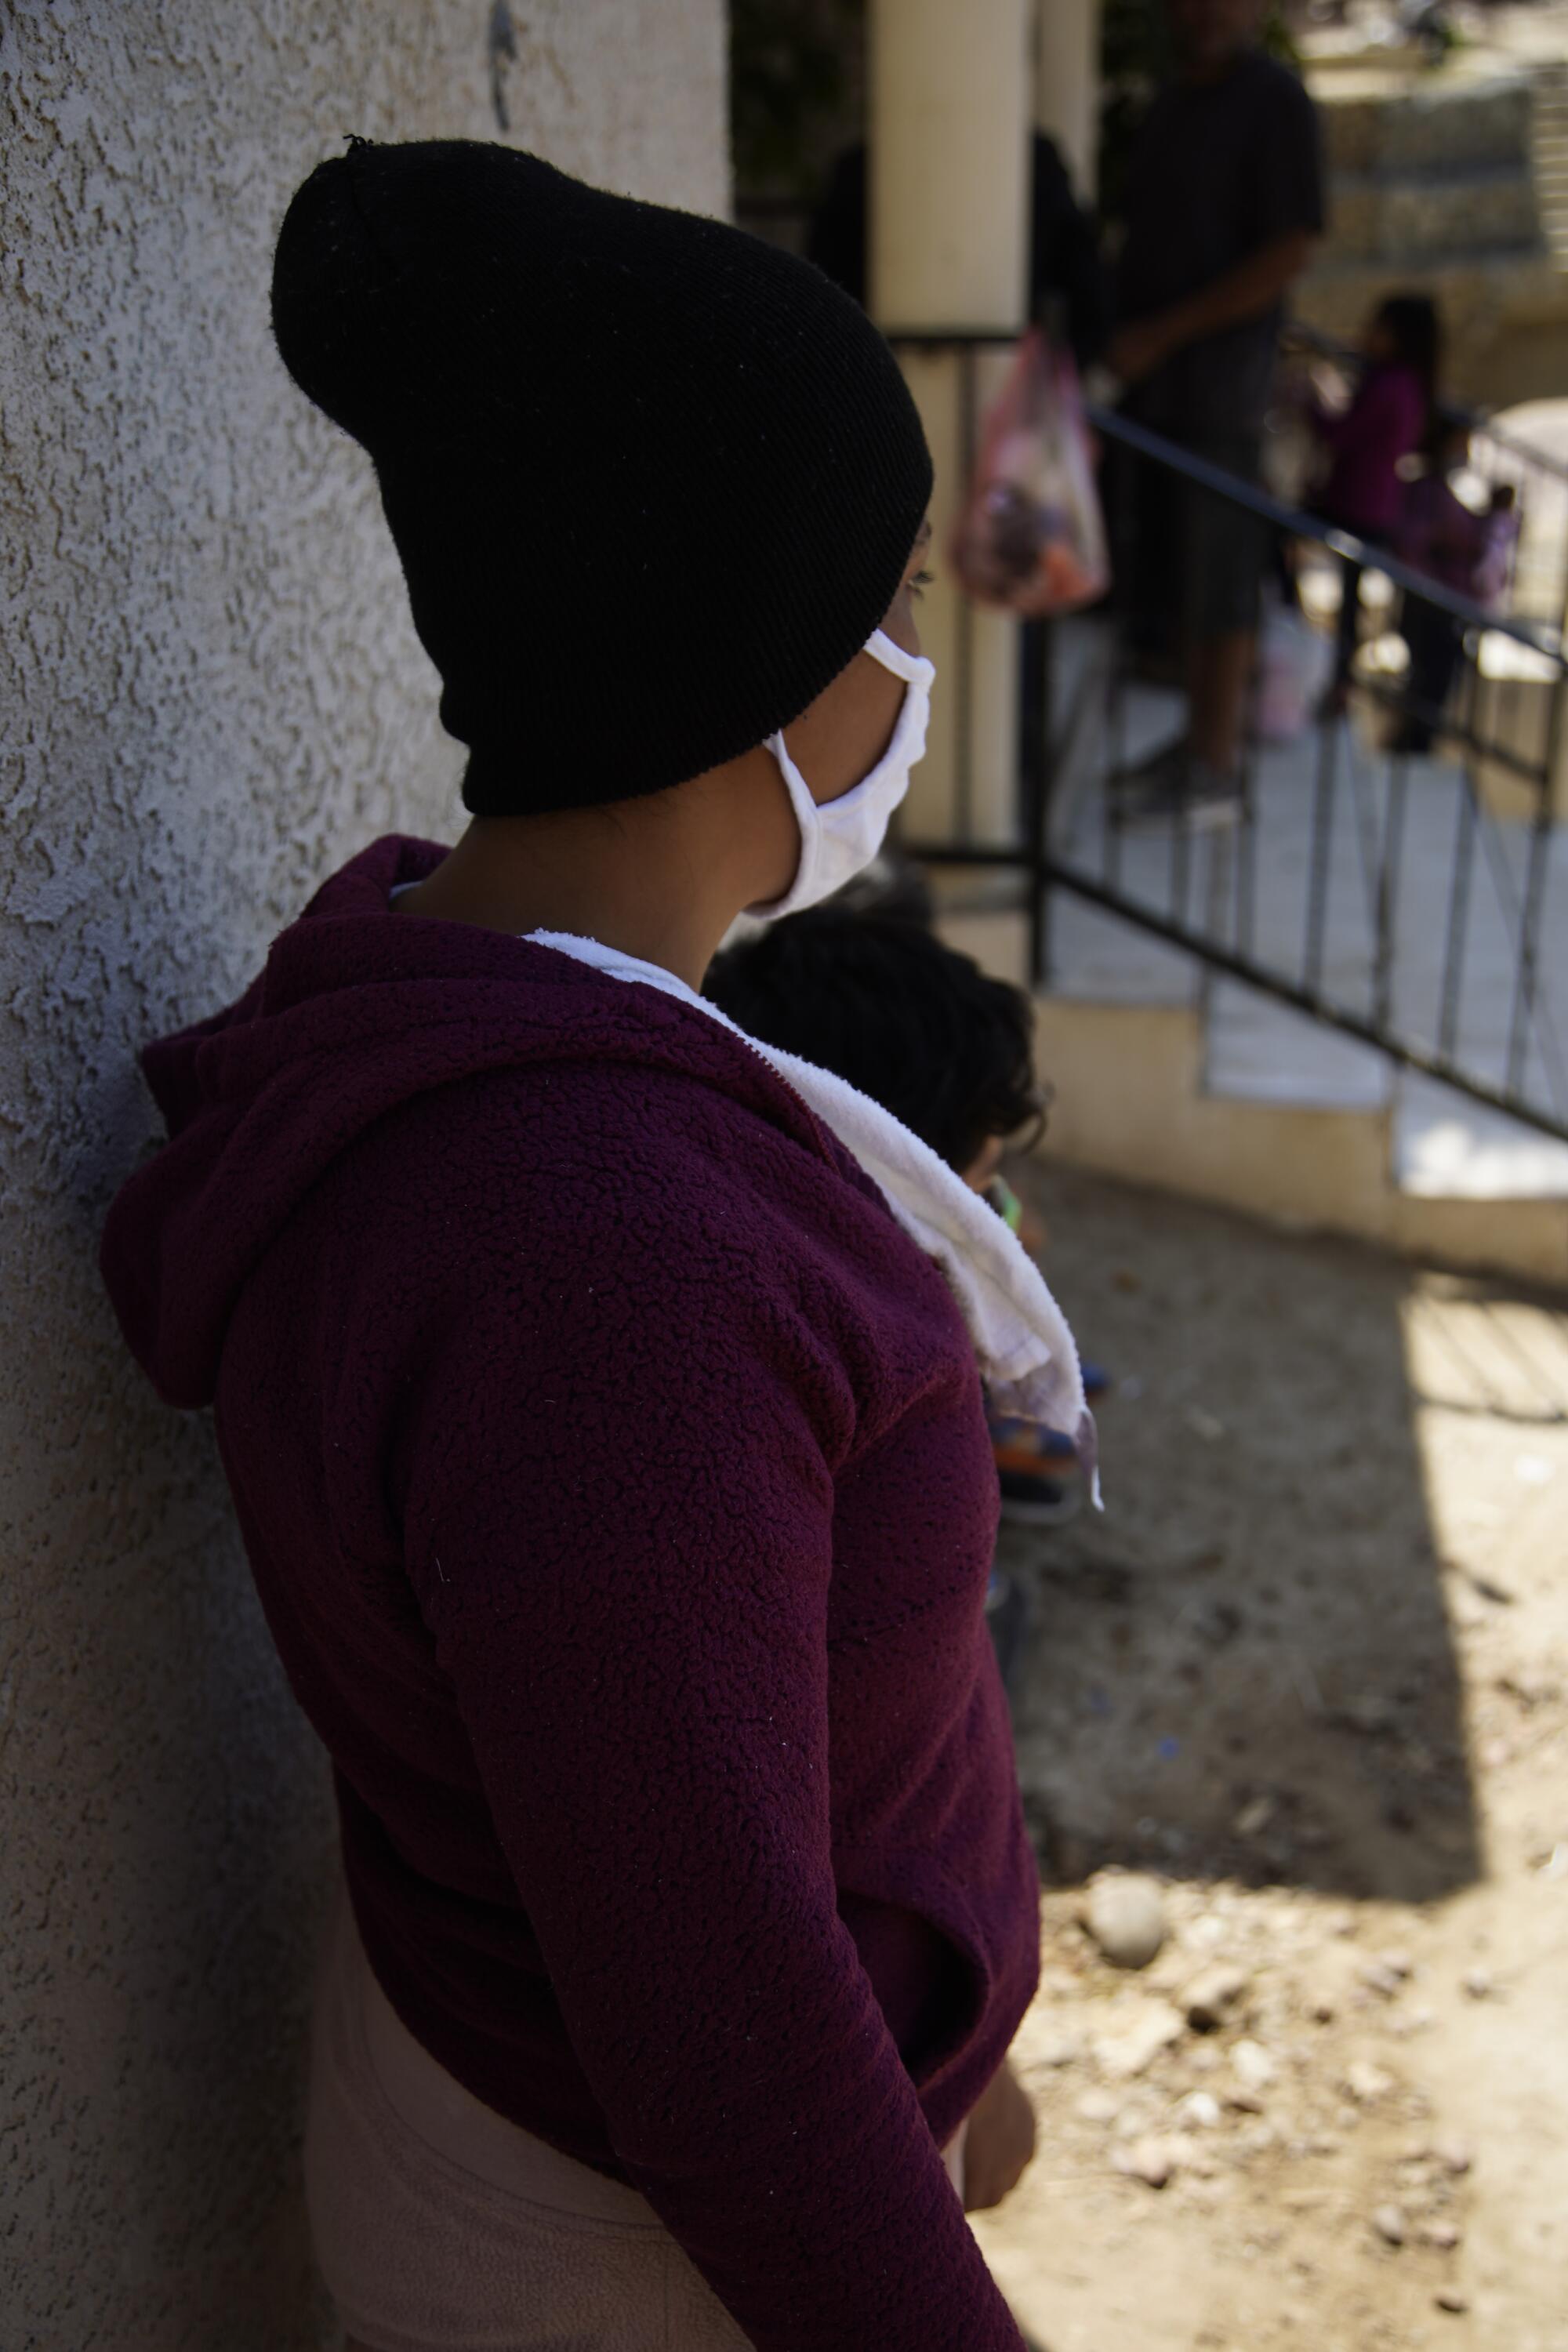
[1221, 169]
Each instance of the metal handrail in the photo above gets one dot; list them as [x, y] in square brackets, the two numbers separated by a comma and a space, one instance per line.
[1297, 521]
[1044, 853]
[1300, 524]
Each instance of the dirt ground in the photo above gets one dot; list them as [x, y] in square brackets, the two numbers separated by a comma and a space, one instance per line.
[1309, 1672]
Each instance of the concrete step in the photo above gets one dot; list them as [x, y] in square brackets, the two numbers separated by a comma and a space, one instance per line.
[1448, 1148]
[1130, 1101]
[1258, 1050]
[1444, 1146]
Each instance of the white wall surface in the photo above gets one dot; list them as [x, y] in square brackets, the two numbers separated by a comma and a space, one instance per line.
[210, 693]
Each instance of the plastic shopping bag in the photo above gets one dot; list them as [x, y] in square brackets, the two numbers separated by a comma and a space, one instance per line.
[1032, 536]
[1295, 664]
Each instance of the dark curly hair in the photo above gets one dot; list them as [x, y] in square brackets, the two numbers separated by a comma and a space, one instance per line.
[883, 1003]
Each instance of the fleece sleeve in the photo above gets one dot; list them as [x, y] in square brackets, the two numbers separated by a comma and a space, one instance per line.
[621, 1534]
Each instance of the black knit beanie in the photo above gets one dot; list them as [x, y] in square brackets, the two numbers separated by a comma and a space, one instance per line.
[654, 482]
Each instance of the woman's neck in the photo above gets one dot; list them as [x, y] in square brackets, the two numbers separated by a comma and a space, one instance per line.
[660, 879]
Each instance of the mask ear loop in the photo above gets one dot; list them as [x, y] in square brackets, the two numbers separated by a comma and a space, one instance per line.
[807, 819]
[914, 668]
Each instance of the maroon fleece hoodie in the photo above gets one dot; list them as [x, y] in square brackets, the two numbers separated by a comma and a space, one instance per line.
[615, 1477]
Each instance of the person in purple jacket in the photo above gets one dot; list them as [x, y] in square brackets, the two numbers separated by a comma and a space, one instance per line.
[1391, 414]
[1465, 549]
[597, 1389]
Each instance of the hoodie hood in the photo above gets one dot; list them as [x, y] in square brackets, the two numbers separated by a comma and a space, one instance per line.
[356, 1012]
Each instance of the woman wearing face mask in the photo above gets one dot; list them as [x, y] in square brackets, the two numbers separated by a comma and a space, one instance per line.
[597, 1394]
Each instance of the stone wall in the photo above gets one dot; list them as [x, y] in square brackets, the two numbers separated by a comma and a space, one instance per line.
[1434, 186]
[210, 692]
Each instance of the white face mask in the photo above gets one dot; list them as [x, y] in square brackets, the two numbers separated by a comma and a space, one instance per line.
[839, 839]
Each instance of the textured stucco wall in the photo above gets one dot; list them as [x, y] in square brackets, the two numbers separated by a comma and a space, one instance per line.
[209, 692]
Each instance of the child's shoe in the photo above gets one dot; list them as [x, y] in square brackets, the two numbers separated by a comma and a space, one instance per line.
[1038, 1473]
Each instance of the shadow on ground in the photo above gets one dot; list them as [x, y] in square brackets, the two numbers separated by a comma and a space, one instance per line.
[1244, 1669]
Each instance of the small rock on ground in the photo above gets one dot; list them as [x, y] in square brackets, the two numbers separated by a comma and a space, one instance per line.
[1136, 2038]
[1391, 2225]
[1212, 1995]
[1126, 1917]
[1148, 2159]
[1254, 2067]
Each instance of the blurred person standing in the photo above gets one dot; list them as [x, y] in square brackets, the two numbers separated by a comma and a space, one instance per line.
[1463, 548]
[1224, 201]
[1367, 440]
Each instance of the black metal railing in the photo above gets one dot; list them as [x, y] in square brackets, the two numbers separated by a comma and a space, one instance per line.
[1407, 902]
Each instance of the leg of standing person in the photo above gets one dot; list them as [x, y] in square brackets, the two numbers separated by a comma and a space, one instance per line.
[1347, 630]
[1138, 501]
[1219, 551]
[1226, 548]
[1219, 671]
[1437, 643]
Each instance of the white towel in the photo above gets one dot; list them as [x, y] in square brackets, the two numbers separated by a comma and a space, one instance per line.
[1025, 1351]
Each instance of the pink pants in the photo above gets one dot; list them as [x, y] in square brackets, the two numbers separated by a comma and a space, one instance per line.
[441, 2227]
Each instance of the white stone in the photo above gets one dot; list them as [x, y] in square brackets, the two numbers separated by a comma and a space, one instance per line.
[1149, 2160]
[1212, 1994]
[1096, 2107]
[1126, 1917]
[1391, 2225]
[1136, 2037]
[1254, 2067]
[1367, 2082]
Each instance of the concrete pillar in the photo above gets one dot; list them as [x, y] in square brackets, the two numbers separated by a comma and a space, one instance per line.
[951, 98]
[1067, 85]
